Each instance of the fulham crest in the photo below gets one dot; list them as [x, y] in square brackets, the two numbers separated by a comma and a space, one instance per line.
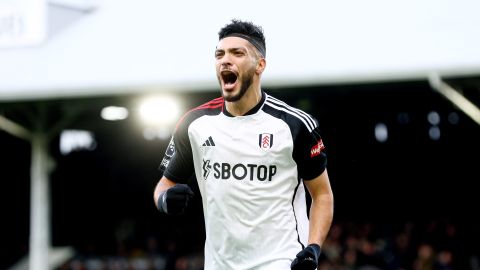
[265, 140]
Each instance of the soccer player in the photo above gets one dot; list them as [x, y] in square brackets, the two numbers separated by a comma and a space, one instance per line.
[252, 155]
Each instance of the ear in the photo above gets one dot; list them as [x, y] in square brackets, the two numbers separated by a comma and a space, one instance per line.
[261, 64]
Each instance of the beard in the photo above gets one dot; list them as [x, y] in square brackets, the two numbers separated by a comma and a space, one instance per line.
[245, 84]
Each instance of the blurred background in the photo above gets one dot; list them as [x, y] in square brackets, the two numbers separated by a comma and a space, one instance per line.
[90, 91]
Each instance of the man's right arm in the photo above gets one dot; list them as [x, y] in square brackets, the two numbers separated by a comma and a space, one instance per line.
[171, 194]
[170, 197]
[162, 186]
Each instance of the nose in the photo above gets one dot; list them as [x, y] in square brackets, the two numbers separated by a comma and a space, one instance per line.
[225, 61]
[224, 66]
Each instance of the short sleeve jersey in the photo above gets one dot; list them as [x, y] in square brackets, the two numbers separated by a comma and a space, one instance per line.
[249, 170]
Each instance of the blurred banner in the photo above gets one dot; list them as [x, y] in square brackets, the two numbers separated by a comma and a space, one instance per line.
[131, 46]
[22, 22]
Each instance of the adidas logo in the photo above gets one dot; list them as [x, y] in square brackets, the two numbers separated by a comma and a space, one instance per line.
[209, 142]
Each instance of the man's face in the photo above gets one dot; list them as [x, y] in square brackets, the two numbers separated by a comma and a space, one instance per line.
[235, 65]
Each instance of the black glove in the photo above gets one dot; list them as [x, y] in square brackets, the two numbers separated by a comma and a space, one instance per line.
[174, 200]
[307, 259]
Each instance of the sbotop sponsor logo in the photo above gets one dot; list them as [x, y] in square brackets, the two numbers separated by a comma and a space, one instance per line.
[206, 168]
[239, 171]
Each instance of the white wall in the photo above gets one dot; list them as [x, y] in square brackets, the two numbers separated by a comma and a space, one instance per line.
[141, 45]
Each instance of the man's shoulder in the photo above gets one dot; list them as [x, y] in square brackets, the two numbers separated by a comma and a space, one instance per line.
[212, 107]
[281, 105]
[290, 114]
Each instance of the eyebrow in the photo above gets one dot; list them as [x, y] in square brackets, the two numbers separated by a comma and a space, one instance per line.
[232, 49]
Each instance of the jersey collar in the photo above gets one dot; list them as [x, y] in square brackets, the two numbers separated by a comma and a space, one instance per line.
[251, 111]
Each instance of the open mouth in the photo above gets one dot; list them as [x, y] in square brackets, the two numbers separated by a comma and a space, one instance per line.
[229, 78]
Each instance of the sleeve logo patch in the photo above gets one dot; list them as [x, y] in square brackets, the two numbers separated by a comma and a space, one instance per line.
[170, 149]
[317, 149]
[168, 155]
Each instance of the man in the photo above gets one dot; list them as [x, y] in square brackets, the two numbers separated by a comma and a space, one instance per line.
[252, 156]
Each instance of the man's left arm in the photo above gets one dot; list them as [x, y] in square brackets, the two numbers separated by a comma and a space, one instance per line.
[321, 216]
[321, 209]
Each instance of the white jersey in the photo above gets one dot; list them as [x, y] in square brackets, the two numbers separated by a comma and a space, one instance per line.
[249, 170]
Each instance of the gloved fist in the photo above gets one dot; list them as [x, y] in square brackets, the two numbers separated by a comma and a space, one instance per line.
[174, 200]
[307, 259]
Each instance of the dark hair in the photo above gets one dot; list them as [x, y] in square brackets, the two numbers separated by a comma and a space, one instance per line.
[247, 30]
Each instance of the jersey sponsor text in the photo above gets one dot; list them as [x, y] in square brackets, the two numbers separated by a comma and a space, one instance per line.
[239, 171]
[317, 149]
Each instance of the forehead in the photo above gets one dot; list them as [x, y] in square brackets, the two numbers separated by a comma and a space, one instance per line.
[232, 42]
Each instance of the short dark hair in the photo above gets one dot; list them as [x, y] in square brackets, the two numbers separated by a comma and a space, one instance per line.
[250, 31]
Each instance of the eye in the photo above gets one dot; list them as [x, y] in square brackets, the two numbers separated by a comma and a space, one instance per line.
[219, 54]
[239, 53]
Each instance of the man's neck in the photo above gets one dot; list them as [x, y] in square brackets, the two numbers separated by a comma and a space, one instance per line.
[245, 104]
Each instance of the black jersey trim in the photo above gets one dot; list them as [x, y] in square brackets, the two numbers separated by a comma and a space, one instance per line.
[295, 214]
[309, 122]
[253, 110]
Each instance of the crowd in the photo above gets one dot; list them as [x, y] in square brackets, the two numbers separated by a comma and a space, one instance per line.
[433, 245]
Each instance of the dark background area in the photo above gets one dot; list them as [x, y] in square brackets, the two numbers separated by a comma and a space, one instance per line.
[102, 196]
